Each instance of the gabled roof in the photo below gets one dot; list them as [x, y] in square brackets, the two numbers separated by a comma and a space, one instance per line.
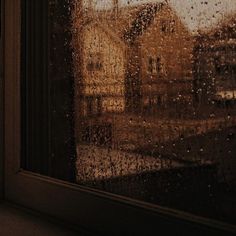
[131, 21]
[143, 19]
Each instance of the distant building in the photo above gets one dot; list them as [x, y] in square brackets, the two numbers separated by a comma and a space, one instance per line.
[144, 60]
[164, 47]
[135, 59]
[215, 64]
[100, 56]
[103, 70]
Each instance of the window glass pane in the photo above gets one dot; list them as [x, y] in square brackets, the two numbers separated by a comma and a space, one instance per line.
[136, 98]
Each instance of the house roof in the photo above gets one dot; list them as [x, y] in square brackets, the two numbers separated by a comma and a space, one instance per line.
[226, 27]
[224, 32]
[142, 20]
[131, 21]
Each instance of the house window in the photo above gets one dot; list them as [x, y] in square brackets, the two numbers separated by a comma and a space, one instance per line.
[95, 62]
[150, 65]
[160, 65]
[157, 167]
[172, 26]
[168, 26]
[93, 106]
[164, 26]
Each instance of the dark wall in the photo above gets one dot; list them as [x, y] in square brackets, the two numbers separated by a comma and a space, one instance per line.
[1, 103]
[47, 89]
[61, 79]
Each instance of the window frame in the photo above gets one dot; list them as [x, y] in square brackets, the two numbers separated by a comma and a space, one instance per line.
[84, 207]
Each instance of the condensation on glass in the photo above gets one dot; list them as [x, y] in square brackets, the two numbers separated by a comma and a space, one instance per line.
[155, 92]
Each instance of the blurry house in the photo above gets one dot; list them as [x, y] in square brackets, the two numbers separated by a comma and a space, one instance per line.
[129, 60]
[215, 64]
[162, 47]
[103, 70]
[135, 59]
[100, 58]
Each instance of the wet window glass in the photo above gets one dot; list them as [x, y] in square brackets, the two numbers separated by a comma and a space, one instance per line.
[148, 91]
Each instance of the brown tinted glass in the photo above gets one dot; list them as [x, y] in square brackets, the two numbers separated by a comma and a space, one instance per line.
[141, 101]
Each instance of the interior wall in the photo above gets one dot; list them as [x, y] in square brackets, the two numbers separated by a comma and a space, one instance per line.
[1, 104]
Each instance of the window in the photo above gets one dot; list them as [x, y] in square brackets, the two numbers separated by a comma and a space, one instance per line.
[80, 154]
[168, 26]
[164, 26]
[161, 67]
[156, 67]
[94, 62]
[172, 26]
[150, 64]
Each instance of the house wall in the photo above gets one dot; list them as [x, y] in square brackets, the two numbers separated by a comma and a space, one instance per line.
[105, 83]
[215, 68]
[175, 51]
